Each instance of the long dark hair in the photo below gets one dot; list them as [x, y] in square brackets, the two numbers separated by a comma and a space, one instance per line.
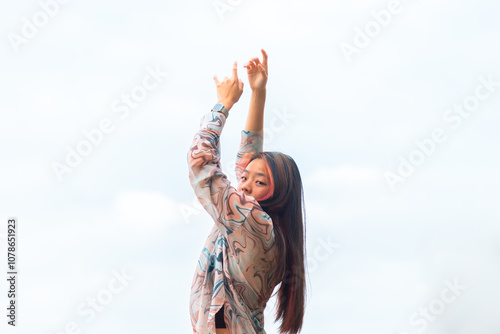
[287, 211]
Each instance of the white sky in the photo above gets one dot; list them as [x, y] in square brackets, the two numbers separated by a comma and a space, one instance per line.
[129, 206]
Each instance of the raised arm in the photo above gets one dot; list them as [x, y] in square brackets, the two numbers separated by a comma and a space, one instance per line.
[227, 206]
[252, 136]
[257, 78]
[251, 141]
[255, 118]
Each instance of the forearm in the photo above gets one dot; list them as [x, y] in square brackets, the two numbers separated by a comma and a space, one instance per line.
[255, 118]
[204, 152]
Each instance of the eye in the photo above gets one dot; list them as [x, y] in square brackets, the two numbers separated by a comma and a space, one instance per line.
[243, 177]
[262, 183]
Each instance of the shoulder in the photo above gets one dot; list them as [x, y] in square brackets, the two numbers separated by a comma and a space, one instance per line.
[259, 221]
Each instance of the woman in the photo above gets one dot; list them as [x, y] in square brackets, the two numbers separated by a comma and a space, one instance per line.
[258, 239]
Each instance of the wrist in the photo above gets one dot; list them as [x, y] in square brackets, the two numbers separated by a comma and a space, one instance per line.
[226, 103]
[259, 92]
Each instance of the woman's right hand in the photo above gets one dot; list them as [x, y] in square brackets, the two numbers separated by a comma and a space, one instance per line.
[257, 72]
[230, 89]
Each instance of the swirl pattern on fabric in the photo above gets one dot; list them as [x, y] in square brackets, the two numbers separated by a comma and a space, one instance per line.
[239, 258]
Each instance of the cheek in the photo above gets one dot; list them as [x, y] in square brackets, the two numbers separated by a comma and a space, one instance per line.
[262, 192]
[265, 190]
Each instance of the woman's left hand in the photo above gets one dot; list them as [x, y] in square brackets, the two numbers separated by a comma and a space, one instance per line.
[257, 72]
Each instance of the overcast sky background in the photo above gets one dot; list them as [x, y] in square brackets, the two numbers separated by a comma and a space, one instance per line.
[378, 255]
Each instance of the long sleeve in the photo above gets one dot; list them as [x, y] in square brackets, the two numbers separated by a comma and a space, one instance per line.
[228, 207]
[251, 141]
[237, 264]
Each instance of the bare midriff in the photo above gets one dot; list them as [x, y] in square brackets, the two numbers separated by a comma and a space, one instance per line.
[221, 331]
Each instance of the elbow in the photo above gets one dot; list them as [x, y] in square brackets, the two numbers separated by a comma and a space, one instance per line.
[197, 158]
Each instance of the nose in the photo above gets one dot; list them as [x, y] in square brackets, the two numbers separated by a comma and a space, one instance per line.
[245, 187]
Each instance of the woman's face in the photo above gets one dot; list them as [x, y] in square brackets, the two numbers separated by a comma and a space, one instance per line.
[254, 179]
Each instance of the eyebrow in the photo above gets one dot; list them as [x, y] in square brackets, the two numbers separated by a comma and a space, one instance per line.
[260, 174]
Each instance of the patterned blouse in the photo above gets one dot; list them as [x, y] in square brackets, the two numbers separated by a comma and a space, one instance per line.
[239, 257]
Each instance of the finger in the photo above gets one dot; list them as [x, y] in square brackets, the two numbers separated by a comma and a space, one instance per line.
[264, 58]
[235, 70]
[256, 60]
[216, 80]
[263, 70]
[251, 66]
